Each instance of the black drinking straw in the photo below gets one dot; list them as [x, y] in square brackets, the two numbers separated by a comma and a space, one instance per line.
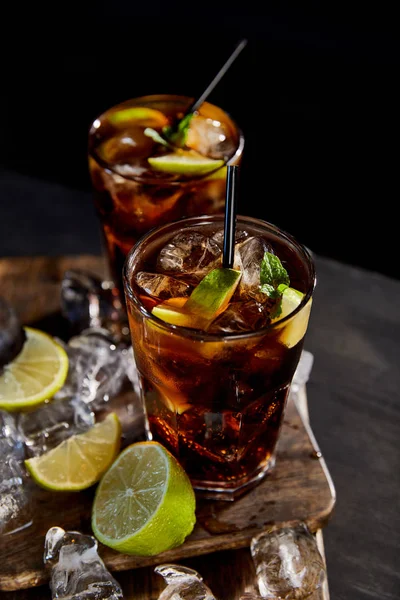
[196, 105]
[228, 252]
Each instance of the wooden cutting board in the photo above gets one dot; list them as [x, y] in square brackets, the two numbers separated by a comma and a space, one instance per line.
[299, 489]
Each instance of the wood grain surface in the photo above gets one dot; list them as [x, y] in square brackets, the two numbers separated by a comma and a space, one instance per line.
[298, 489]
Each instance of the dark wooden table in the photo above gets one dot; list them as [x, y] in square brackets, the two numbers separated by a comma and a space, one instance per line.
[299, 489]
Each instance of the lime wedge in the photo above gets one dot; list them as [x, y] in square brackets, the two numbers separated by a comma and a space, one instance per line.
[295, 329]
[291, 299]
[208, 299]
[185, 163]
[145, 503]
[35, 374]
[139, 115]
[80, 461]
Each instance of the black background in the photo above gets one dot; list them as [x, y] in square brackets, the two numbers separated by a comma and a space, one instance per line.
[315, 92]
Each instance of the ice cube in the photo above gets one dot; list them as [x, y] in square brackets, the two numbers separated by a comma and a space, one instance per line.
[12, 335]
[240, 236]
[160, 286]
[210, 137]
[76, 570]
[240, 317]
[89, 302]
[97, 369]
[248, 257]
[127, 170]
[189, 254]
[183, 584]
[15, 506]
[54, 422]
[288, 563]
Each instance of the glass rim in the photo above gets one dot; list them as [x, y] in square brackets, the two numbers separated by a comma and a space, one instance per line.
[198, 335]
[149, 180]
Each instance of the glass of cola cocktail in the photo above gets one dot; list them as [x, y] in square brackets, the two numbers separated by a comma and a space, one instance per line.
[216, 349]
[145, 172]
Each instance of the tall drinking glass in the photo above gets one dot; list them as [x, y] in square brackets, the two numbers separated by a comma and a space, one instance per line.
[140, 181]
[215, 397]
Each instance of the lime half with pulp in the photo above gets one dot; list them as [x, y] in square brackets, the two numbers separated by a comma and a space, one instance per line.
[145, 503]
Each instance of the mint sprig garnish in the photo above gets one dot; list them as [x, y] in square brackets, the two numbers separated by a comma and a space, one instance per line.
[172, 135]
[274, 280]
[177, 134]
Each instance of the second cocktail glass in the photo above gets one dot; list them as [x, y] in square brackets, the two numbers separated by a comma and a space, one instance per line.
[140, 182]
[215, 389]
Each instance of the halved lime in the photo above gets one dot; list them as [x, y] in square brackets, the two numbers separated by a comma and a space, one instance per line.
[185, 163]
[294, 330]
[80, 461]
[139, 115]
[208, 299]
[145, 503]
[35, 374]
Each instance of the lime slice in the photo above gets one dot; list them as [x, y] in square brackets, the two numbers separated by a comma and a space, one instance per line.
[145, 503]
[295, 329]
[208, 299]
[139, 115]
[35, 374]
[80, 461]
[185, 163]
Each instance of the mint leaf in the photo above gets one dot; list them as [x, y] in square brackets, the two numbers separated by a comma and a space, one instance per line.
[178, 134]
[274, 280]
[273, 273]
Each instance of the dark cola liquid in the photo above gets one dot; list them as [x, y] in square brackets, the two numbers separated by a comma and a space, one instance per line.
[217, 403]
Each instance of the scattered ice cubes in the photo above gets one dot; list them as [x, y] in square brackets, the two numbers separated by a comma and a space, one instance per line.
[190, 254]
[183, 584]
[12, 335]
[88, 302]
[210, 137]
[288, 563]
[76, 570]
[160, 286]
[98, 371]
[15, 506]
[248, 257]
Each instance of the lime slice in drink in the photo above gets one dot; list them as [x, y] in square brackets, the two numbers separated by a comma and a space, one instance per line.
[208, 299]
[35, 374]
[295, 329]
[219, 174]
[80, 461]
[185, 163]
[137, 115]
[145, 503]
[291, 299]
